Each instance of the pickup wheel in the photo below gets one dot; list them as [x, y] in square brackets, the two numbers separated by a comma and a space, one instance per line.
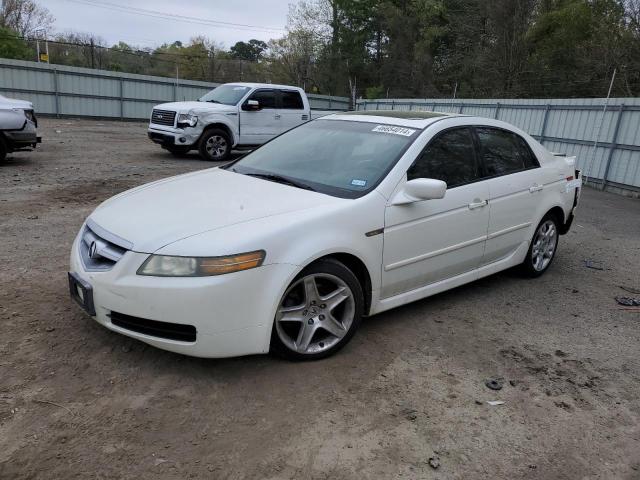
[3, 149]
[215, 145]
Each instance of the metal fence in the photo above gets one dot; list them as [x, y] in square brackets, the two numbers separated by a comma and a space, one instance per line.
[73, 91]
[605, 142]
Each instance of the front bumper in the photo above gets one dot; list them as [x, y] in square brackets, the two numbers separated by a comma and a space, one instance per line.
[25, 138]
[232, 314]
[168, 136]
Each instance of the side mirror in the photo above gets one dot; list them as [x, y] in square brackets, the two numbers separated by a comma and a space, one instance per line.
[420, 189]
[251, 105]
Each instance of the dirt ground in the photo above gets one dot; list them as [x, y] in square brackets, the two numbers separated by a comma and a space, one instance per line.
[78, 401]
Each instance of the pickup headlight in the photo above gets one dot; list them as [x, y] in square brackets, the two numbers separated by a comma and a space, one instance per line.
[168, 266]
[187, 120]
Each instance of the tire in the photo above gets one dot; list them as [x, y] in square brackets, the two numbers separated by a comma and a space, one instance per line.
[543, 247]
[215, 145]
[177, 150]
[3, 149]
[319, 312]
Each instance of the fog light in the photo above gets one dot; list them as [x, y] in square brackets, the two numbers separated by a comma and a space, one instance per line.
[182, 139]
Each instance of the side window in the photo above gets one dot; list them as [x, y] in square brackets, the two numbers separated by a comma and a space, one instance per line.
[449, 157]
[504, 152]
[267, 98]
[291, 100]
[530, 159]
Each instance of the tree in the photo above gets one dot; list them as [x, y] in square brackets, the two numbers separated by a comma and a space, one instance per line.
[251, 51]
[25, 17]
[14, 47]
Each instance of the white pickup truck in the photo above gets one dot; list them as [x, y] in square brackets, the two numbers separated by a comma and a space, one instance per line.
[18, 126]
[233, 115]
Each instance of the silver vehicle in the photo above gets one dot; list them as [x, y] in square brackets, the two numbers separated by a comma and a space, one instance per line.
[18, 126]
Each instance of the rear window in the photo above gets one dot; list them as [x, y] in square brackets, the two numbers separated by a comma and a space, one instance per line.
[292, 100]
[504, 152]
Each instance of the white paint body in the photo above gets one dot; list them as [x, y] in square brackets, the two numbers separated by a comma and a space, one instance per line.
[427, 246]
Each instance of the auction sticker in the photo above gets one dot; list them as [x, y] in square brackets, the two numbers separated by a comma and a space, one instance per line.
[405, 132]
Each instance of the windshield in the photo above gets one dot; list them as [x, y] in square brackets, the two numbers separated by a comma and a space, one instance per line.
[226, 94]
[341, 158]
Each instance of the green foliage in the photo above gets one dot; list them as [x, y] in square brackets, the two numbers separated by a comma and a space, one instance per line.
[374, 92]
[13, 47]
[251, 50]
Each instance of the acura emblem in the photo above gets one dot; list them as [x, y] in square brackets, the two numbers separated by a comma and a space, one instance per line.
[93, 250]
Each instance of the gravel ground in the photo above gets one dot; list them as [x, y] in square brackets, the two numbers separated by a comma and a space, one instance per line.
[78, 401]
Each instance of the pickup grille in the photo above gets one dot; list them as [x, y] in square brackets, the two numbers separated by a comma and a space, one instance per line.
[163, 117]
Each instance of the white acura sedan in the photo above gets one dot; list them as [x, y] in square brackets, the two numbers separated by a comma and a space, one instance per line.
[287, 248]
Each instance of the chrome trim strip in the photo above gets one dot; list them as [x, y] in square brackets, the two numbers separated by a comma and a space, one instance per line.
[108, 236]
[442, 251]
[508, 230]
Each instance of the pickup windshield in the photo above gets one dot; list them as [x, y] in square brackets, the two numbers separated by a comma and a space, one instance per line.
[225, 94]
[341, 158]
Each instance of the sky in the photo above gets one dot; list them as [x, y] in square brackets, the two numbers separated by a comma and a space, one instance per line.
[115, 21]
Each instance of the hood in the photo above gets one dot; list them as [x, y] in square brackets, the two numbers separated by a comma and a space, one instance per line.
[157, 214]
[13, 103]
[189, 107]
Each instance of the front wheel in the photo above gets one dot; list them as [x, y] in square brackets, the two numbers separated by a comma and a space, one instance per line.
[3, 149]
[319, 312]
[543, 247]
[215, 145]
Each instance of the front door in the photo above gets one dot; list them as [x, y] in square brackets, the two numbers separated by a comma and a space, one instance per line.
[259, 126]
[433, 240]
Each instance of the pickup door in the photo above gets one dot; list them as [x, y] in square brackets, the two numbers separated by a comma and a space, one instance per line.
[281, 110]
[259, 126]
[292, 111]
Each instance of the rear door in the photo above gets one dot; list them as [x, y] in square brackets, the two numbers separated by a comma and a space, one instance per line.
[291, 110]
[433, 240]
[513, 177]
[259, 126]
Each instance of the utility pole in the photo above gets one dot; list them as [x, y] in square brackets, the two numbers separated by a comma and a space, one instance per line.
[92, 54]
[455, 90]
[597, 138]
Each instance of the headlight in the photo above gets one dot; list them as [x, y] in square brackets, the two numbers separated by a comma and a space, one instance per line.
[187, 120]
[168, 266]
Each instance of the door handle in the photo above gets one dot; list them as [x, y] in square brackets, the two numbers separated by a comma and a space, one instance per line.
[277, 116]
[474, 205]
[535, 188]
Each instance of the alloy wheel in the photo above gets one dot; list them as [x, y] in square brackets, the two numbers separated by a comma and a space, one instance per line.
[316, 312]
[216, 146]
[544, 245]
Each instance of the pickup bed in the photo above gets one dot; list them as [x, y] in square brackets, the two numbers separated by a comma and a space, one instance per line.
[18, 126]
[233, 115]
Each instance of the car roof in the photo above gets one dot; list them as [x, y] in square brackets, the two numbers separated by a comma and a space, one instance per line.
[263, 85]
[404, 118]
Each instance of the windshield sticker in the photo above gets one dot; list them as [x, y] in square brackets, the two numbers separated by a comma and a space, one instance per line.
[405, 132]
[358, 183]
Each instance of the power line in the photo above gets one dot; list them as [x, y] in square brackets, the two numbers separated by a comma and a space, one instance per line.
[175, 17]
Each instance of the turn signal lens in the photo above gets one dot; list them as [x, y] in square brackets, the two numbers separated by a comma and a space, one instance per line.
[168, 266]
[233, 263]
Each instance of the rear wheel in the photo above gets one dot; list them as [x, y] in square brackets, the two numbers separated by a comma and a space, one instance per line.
[543, 247]
[319, 312]
[215, 145]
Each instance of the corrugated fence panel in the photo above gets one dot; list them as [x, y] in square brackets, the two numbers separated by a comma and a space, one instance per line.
[606, 142]
[62, 90]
